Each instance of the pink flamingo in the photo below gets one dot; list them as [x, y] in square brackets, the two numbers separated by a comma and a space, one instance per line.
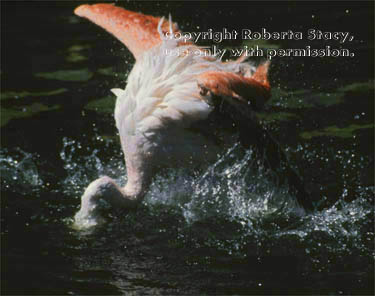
[167, 99]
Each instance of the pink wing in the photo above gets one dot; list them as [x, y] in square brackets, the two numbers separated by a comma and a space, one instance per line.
[138, 32]
[254, 90]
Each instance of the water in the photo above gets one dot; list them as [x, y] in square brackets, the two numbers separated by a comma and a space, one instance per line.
[225, 230]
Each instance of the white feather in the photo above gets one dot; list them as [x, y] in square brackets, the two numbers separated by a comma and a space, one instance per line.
[118, 91]
[162, 98]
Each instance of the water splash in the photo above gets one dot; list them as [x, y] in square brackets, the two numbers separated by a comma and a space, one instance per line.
[235, 189]
[235, 186]
[19, 171]
[84, 167]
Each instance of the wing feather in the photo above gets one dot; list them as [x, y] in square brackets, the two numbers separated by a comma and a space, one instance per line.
[236, 88]
[138, 32]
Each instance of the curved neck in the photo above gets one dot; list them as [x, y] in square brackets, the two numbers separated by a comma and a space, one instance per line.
[132, 193]
[105, 188]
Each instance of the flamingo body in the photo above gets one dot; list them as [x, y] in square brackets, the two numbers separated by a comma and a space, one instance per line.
[165, 112]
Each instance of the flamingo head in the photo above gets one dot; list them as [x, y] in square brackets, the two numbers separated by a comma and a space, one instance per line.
[103, 196]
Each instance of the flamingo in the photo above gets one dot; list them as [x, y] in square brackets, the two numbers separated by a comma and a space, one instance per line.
[167, 114]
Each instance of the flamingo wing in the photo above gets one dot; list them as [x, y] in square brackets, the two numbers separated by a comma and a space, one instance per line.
[237, 89]
[138, 32]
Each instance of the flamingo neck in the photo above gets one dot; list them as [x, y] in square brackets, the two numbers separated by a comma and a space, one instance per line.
[104, 192]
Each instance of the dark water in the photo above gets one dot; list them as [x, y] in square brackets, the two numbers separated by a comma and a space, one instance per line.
[216, 232]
